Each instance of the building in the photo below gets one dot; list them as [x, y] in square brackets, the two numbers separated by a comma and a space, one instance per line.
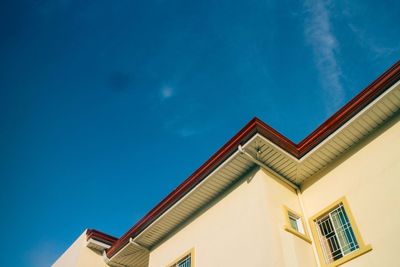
[262, 200]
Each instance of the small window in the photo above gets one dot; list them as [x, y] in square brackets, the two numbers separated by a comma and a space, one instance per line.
[339, 239]
[295, 224]
[185, 261]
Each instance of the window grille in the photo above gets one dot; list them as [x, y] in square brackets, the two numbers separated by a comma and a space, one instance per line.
[336, 234]
[185, 262]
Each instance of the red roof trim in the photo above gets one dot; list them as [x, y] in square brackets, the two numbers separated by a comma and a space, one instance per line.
[366, 96]
[224, 152]
[361, 100]
[100, 236]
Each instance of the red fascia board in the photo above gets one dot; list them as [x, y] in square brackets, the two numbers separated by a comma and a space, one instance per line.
[356, 104]
[361, 100]
[100, 236]
[222, 154]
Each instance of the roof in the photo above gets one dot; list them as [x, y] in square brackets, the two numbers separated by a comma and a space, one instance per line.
[100, 236]
[290, 153]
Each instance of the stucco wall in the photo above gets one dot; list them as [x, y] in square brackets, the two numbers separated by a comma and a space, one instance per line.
[78, 255]
[244, 228]
[369, 177]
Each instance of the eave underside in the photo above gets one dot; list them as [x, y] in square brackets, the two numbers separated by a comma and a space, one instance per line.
[295, 163]
[296, 170]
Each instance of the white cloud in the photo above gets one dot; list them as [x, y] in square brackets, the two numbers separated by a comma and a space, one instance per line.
[319, 34]
[177, 125]
[166, 92]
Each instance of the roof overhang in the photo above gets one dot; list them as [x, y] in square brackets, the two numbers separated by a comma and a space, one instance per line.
[99, 241]
[371, 108]
[132, 254]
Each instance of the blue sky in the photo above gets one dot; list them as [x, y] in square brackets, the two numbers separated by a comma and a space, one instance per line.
[106, 106]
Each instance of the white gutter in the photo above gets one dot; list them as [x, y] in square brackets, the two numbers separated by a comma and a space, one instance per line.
[131, 240]
[137, 245]
[241, 150]
[188, 193]
[355, 117]
[268, 169]
[108, 260]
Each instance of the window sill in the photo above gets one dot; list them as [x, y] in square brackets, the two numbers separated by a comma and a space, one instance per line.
[349, 257]
[298, 234]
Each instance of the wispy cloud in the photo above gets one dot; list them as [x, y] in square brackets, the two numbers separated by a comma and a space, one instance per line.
[186, 132]
[179, 125]
[178, 119]
[166, 92]
[377, 49]
[319, 34]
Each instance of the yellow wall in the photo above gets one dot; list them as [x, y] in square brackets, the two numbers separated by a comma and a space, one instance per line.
[78, 255]
[244, 228]
[369, 178]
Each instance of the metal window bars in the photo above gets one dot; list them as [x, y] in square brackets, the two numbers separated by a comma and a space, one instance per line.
[185, 262]
[336, 234]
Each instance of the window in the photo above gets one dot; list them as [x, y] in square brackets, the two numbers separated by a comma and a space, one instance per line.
[184, 261]
[295, 224]
[336, 235]
[338, 238]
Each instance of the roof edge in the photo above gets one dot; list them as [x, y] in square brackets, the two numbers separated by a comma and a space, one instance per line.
[217, 158]
[346, 112]
[100, 236]
[255, 125]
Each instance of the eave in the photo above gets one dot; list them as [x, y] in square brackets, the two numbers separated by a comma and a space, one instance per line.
[296, 162]
[99, 241]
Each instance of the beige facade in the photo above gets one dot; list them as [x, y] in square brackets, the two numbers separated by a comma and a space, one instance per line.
[79, 255]
[368, 176]
[266, 202]
[244, 228]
